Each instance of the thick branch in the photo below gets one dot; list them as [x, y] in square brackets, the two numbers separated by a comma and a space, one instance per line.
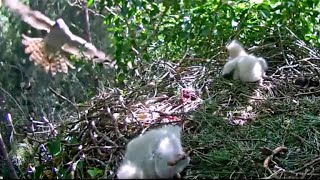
[86, 21]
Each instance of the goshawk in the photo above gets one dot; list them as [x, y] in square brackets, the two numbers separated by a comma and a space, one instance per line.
[51, 51]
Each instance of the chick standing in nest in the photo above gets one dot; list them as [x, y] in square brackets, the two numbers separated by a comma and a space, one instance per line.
[243, 66]
[156, 155]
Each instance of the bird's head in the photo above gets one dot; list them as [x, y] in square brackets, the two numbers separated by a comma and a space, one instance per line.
[235, 49]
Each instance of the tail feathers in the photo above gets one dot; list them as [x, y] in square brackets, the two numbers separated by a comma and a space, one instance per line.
[53, 63]
[229, 67]
[60, 64]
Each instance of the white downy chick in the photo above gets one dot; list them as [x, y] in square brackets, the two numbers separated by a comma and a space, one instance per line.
[235, 49]
[147, 155]
[245, 67]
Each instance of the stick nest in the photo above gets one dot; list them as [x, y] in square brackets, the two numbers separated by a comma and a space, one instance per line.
[169, 93]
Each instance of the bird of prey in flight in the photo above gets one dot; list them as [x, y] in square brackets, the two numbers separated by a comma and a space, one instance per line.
[51, 51]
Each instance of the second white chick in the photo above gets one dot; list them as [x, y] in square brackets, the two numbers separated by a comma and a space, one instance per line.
[244, 66]
[147, 155]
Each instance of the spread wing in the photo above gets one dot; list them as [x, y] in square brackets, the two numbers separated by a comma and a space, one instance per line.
[81, 48]
[34, 18]
[76, 45]
[40, 56]
[59, 35]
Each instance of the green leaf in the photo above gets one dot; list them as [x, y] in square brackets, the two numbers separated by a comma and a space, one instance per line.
[73, 139]
[54, 147]
[264, 14]
[90, 2]
[63, 173]
[38, 171]
[80, 164]
[94, 172]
